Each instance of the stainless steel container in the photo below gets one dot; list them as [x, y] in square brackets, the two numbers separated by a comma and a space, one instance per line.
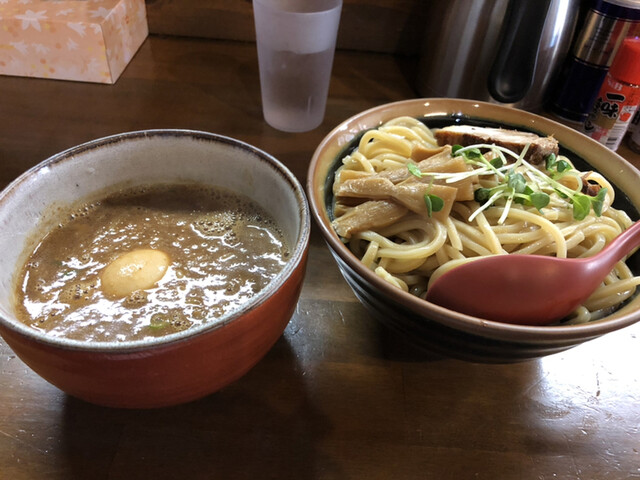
[606, 24]
[503, 51]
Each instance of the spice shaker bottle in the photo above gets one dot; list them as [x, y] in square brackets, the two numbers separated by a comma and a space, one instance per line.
[606, 24]
[618, 98]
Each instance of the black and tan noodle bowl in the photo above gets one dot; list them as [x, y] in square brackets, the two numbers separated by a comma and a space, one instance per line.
[431, 326]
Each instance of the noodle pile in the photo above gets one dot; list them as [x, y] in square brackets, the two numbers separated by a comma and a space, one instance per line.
[407, 242]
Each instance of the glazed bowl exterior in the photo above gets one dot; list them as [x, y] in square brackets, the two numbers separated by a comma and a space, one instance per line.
[179, 367]
[429, 325]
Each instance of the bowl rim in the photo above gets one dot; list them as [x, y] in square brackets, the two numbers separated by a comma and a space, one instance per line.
[342, 135]
[298, 253]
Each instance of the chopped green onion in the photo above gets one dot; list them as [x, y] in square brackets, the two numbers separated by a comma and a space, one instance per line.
[433, 202]
[414, 170]
[539, 200]
[581, 206]
[481, 195]
[497, 162]
[563, 166]
[550, 161]
[516, 182]
[598, 201]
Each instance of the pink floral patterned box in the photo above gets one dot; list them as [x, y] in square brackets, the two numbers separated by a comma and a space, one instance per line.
[84, 40]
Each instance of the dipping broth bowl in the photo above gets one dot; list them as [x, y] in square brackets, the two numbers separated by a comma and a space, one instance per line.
[431, 326]
[178, 367]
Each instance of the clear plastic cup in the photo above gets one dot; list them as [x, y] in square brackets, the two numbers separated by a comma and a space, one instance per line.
[296, 41]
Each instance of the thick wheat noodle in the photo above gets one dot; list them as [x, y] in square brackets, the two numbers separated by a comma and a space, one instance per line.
[407, 253]
[423, 249]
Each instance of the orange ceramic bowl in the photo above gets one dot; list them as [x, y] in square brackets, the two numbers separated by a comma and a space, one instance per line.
[178, 367]
[429, 325]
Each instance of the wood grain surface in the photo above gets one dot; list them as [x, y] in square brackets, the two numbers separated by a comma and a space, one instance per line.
[369, 25]
[338, 397]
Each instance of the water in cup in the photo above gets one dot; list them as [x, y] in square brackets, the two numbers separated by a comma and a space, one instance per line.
[295, 88]
[295, 54]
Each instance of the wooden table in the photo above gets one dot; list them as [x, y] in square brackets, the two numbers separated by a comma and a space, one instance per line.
[338, 397]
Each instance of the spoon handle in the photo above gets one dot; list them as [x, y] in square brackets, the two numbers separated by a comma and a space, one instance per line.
[621, 246]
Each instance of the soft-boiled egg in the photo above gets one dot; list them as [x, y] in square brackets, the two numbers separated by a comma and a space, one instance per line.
[136, 270]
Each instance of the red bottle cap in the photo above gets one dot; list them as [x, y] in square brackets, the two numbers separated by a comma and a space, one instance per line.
[626, 64]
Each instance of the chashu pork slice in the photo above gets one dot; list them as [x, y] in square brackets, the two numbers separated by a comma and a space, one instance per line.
[539, 147]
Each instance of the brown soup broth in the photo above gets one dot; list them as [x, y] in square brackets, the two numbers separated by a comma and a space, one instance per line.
[223, 249]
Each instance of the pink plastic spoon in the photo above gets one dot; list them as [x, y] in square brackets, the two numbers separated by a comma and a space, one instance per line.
[528, 289]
